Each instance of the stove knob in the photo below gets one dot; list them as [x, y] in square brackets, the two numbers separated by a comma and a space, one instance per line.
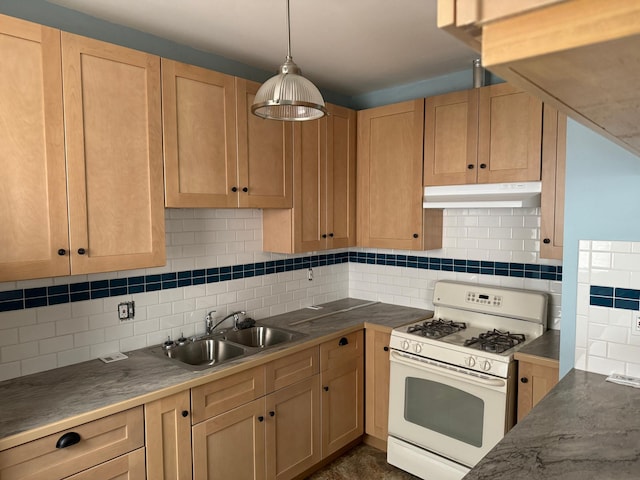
[469, 361]
[417, 348]
[405, 345]
[486, 366]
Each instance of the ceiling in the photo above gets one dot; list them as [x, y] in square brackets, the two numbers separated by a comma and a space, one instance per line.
[344, 46]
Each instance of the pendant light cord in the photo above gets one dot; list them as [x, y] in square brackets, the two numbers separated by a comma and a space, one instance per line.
[289, 31]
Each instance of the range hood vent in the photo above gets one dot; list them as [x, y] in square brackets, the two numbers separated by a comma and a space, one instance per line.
[488, 195]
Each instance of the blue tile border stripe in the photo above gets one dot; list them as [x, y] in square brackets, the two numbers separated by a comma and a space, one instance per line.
[614, 297]
[76, 292]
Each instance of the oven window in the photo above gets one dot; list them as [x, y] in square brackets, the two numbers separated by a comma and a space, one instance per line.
[444, 409]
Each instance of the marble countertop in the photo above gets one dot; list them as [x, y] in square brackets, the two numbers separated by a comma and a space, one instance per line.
[585, 428]
[546, 346]
[53, 400]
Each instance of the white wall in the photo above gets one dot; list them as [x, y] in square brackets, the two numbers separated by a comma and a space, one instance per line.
[42, 338]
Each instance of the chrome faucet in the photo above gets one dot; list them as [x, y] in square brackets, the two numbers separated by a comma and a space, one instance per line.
[210, 326]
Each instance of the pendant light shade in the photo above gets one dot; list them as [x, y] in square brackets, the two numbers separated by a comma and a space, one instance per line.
[289, 96]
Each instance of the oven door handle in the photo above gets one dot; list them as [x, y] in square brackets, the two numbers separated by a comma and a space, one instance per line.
[445, 369]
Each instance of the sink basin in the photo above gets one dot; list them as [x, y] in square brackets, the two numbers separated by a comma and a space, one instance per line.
[260, 336]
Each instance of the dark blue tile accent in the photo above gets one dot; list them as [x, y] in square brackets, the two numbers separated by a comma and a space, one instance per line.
[135, 289]
[12, 305]
[135, 280]
[530, 274]
[601, 291]
[626, 304]
[152, 279]
[502, 272]
[459, 263]
[532, 267]
[213, 278]
[117, 282]
[35, 302]
[487, 271]
[559, 269]
[199, 273]
[473, 263]
[168, 276]
[237, 275]
[80, 296]
[502, 265]
[152, 287]
[473, 269]
[226, 269]
[99, 284]
[601, 301]
[547, 276]
[516, 266]
[548, 268]
[57, 290]
[225, 277]
[199, 280]
[37, 292]
[99, 293]
[237, 268]
[166, 285]
[183, 275]
[80, 287]
[459, 268]
[117, 291]
[487, 264]
[60, 299]
[627, 293]
[516, 273]
[446, 261]
[559, 277]
[447, 268]
[11, 295]
[184, 282]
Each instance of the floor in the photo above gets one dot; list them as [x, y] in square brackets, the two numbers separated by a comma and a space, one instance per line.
[361, 462]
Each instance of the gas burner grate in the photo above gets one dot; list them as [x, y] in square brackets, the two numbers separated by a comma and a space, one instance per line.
[495, 341]
[437, 328]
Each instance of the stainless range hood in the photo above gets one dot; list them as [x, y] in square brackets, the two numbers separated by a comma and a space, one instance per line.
[487, 195]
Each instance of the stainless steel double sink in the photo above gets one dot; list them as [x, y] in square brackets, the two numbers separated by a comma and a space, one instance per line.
[206, 351]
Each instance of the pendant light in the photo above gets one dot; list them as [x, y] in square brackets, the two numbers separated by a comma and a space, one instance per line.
[289, 96]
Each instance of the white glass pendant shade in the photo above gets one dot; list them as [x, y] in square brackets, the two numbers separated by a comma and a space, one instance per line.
[288, 95]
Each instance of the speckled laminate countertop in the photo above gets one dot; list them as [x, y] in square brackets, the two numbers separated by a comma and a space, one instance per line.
[50, 401]
[546, 346]
[585, 428]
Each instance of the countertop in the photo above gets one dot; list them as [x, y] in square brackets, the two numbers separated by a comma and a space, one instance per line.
[50, 401]
[546, 346]
[585, 428]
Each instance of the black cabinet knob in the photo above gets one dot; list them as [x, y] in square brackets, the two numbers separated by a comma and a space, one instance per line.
[62, 252]
[524, 380]
[415, 235]
[546, 240]
[324, 235]
[272, 413]
[483, 165]
[245, 189]
[81, 251]
[326, 389]
[343, 341]
[261, 418]
[234, 189]
[185, 413]
[68, 439]
[470, 166]
[386, 349]
[331, 235]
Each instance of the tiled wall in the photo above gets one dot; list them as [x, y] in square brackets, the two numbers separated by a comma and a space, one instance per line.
[215, 262]
[607, 307]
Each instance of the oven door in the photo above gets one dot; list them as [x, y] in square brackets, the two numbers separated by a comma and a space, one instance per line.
[447, 410]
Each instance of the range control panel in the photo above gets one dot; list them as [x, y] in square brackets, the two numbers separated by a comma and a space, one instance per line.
[478, 298]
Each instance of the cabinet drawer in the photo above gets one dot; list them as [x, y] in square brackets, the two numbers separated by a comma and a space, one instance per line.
[126, 467]
[230, 392]
[100, 441]
[291, 369]
[334, 353]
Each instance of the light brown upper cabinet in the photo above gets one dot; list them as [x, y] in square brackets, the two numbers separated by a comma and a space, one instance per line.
[554, 140]
[102, 210]
[390, 213]
[485, 135]
[324, 188]
[217, 154]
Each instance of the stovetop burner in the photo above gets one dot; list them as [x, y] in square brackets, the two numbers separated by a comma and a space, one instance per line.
[495, 341]
[437, 328]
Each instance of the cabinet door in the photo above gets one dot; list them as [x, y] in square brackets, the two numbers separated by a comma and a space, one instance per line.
[33, 210]
[509, 139]
[168, 437]
[554, 140]
[126, 467]
[265, 155]
[451, 138]
[199, 126]
[377, 384]
[534, 383]
[342, 405]
[114, 156]
[390, 176]
[341, 177]
[231, 445]
[293, 429]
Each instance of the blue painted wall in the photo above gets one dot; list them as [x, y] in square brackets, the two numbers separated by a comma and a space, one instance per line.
[602, 203]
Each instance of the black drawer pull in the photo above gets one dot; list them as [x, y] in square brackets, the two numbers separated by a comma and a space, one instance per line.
[234, 189]
[524, 380]
[68, 439]
[81, 251]
[343, 341]
[326, 389]
[261, 418]
[546, 240]
[185, 413]
[245, 189]
[386, 349]
[62, 252]
[272, 413]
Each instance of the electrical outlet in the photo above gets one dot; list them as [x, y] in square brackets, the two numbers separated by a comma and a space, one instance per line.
[310, 274]
[635, 327]
[126, 310]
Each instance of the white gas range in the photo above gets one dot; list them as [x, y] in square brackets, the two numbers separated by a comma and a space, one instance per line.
[452, 387]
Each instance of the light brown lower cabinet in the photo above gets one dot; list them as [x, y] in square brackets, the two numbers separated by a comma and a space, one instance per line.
[342, 378]
[376, 392]
[535, 379]
[273, 437]
[126, 467]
